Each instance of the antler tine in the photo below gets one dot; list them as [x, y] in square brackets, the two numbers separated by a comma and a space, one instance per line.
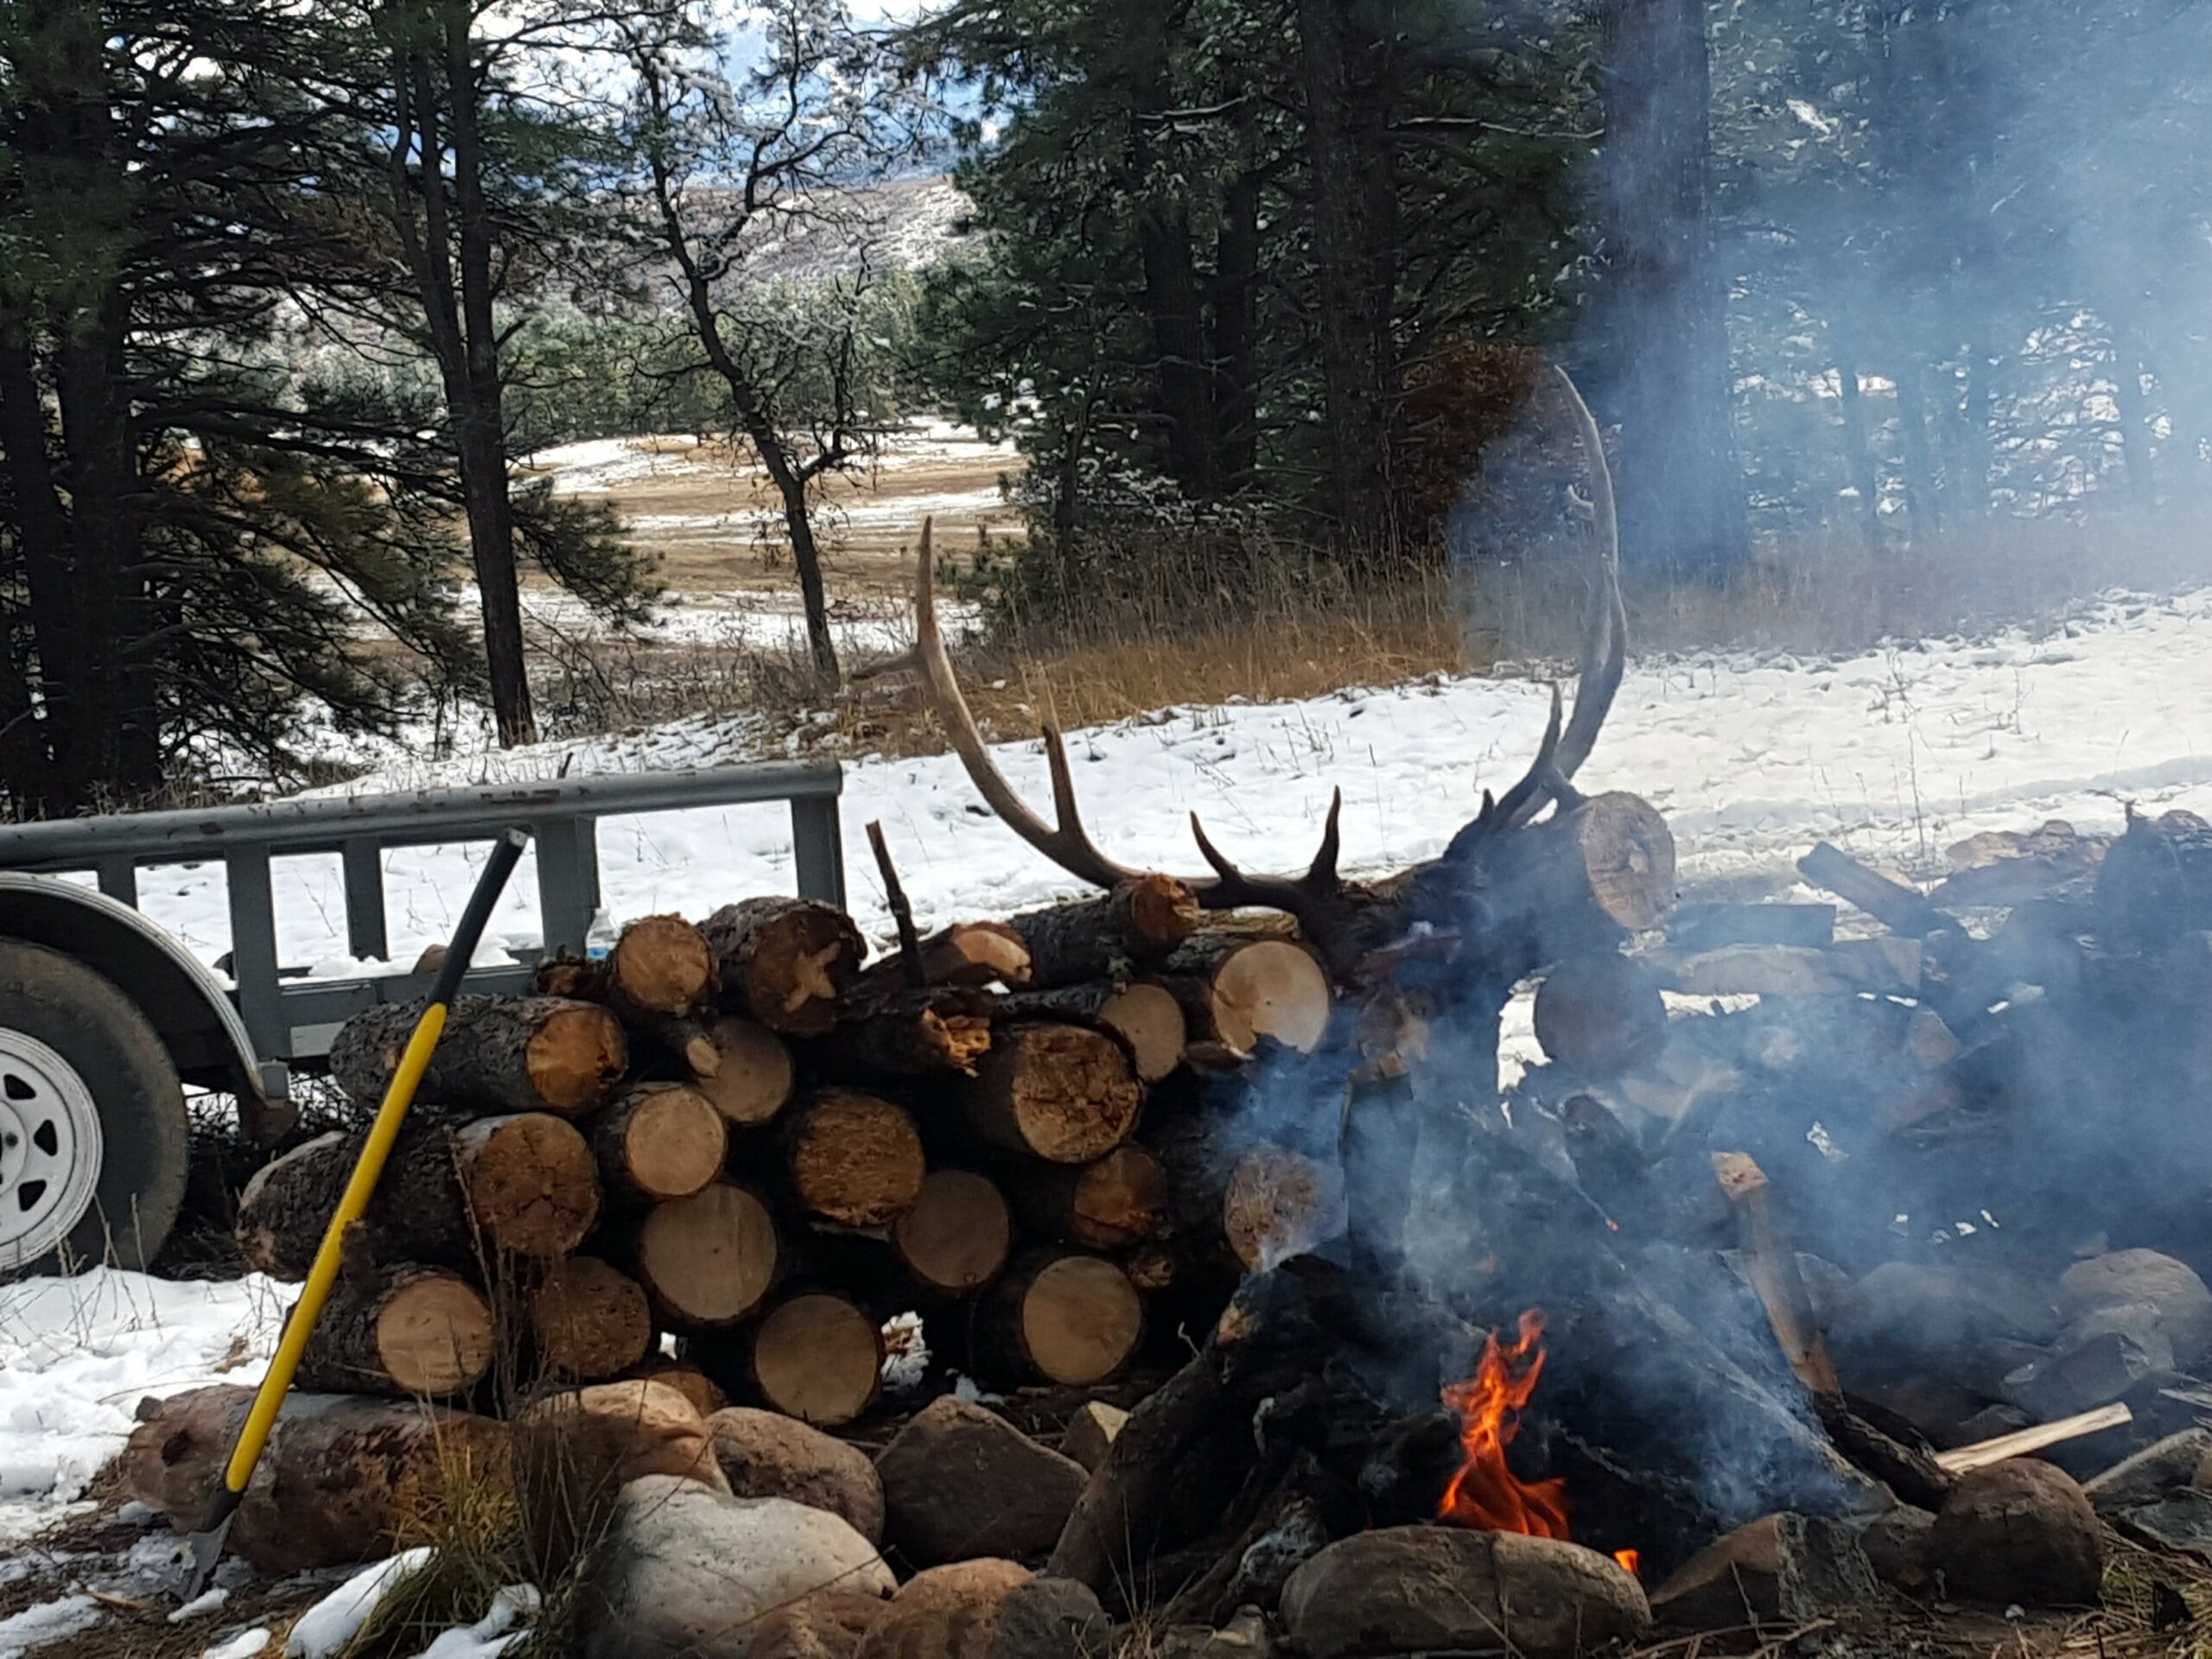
[1232, 888]
[1065, 842]
[1605, 645]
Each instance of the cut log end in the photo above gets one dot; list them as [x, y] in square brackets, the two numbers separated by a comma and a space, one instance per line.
[1629, 854]
[1163, 912]
[592, 1321]
[1249, 988]
[1150, 1020]
[788, 962]
[819, 1358]
[1276, 1203]
[1118, 1200]
[708, 1260]
[662, 1140]
[532, 1186]
[956, 1238]
[575, 1056]
[434, 1335]
[1066, 1093]
[1601, 1015]
[1078, 1319]
[661, 965]
[751, 1077]
[856, 1158]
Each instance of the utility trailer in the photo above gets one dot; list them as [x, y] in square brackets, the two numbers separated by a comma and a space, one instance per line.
[106, 1018]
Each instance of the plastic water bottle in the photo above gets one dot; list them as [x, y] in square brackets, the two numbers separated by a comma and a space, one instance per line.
[598, 937]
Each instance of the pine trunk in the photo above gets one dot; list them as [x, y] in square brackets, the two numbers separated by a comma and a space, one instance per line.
[1144, 1015]
[967, 953]
[592, 1321]
[1062, 1093]
[498, 1054]
[708, 1260]
[789, 962]
[450, 1193]
[906, 1034]
[661, 1141]
[957, 1237]
[1137, 922]
[424, 1332]
[1063, 1317]
[852, 1159]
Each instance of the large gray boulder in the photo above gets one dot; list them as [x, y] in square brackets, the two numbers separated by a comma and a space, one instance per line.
[2121, 1278]
[690, 1573]
[1778, 1569]
[1420, 1589]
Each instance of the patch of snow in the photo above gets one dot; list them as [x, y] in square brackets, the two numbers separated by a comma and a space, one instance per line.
[493, 1635]
[207, 1602]
[328, 1627]
[77, 1354]
[246, 1644]
[49, 1621]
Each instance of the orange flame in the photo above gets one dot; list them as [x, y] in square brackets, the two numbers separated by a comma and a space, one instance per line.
[1631, 1559]
[1485, 1494]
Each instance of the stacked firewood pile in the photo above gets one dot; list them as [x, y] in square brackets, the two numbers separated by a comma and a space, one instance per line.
[738, 1134]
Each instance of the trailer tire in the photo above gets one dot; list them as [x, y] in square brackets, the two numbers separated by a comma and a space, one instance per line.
[93, 1136]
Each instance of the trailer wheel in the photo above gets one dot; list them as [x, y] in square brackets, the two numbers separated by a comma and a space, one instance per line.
[93, 1129]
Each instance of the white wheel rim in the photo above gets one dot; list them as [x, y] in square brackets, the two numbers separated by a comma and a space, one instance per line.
[51, 1149]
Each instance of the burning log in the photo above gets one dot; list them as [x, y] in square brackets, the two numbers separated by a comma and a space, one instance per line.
[1107, 1205]
[788, 963]
[957, 1235]
[592, 1321]
[853, 1159]
[522, 1186]
[1136, 920]
[1062, 1093]
[1235, 988]
[661, 1141]
[907, 1034]
[368, 1462]
[1277, 1203]
[499, 1054]
[423, 1333]
[1069, 1318]
[1600, 1016]
[711, 1259]
[818, 1357]
[1143, 1014]
[750, 1078]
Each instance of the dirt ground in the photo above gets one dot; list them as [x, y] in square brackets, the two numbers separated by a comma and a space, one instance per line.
[711, 515]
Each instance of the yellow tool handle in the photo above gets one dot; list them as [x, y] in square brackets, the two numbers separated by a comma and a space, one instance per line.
[398, 1095]
[392, 1113]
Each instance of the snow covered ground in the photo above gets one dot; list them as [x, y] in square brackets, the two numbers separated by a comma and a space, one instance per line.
[1894, 754]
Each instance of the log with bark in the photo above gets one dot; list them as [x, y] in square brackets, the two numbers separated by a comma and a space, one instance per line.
[708, 1260]
[818, 1356]
[1143, 1014]
[402, 1329]
[2156, 881]
[660, 1141]
[338, 1477]
[1234, 988]
[972, 954]
[906, 1034]
[744, 1068]
[1110, 1204]
[1600, 1015]
[498, 1054]
[1064, 1093]
[957, 1235]
[789, 962]
[851, 1158]
[1063, 1315]
[591, 1321]
[524, 1185]
[1137, 921]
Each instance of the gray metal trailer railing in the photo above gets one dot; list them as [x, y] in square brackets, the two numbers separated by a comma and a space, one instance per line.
[293, 1022]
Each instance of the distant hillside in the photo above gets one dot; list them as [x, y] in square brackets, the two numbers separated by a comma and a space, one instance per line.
[908, 224]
